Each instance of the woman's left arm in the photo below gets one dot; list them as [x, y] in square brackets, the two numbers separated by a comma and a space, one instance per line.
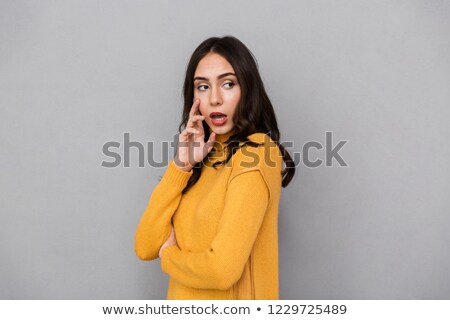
[221, 265]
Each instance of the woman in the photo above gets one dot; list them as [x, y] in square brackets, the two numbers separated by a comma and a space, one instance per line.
[212, 219]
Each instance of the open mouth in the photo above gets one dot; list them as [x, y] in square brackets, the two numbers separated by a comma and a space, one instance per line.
[218, 118]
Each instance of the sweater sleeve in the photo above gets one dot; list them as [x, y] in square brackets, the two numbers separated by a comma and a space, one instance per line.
[155, 224]
[221, 265]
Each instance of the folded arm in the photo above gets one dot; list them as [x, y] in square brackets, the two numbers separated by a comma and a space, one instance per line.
[155, 224]
[221, 264]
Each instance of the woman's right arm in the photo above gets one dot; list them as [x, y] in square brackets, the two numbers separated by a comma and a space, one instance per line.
[155, 224]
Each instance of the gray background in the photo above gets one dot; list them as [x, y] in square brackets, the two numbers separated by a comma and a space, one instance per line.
[76, 74]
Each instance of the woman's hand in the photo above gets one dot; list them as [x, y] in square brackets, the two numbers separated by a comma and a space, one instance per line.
[171, 241]
[192, 147]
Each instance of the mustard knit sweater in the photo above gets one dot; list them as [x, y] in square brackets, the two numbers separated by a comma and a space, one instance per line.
[226, 225]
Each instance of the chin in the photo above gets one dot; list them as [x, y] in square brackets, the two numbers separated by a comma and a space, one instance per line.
[221, 130]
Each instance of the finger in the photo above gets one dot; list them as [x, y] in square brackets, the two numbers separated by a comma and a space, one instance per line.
[194, 107]
[191, 131]
[195, 119]
[186, 133]
[211, 140]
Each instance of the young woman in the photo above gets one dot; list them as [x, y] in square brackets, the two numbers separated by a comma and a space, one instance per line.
[212, 219]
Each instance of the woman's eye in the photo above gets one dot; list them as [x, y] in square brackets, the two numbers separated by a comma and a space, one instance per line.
[204, 87]
[201, 86]
[231, 84]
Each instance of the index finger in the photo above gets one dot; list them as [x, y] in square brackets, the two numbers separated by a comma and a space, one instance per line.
[194, 108]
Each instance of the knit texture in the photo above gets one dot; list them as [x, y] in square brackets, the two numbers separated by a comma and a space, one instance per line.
[226, 225]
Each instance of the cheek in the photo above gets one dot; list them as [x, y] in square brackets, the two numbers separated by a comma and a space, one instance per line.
[237, 97]
[236, 102]
[201, 109]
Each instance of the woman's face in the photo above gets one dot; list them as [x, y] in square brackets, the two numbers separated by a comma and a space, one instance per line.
[216, 85]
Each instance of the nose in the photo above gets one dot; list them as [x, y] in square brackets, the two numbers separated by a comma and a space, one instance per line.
[215, 97]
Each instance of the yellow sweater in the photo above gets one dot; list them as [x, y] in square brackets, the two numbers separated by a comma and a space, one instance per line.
[226, 225]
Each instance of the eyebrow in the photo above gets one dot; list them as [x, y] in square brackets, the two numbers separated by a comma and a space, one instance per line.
[223, 75]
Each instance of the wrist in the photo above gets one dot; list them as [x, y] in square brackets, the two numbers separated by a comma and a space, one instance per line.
[165, 245]
[163, 248]
[183, 166]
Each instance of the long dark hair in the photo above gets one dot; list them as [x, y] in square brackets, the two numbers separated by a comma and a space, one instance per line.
[254, 112]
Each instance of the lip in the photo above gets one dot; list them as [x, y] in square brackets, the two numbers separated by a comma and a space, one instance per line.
[216, 113]
[218, 122]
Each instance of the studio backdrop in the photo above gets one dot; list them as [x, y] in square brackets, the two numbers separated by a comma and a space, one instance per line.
[361, 90]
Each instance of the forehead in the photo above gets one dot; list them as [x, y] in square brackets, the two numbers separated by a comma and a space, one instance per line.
[212, 65]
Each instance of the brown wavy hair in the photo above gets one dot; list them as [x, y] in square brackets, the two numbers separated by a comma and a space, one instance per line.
[254, 112]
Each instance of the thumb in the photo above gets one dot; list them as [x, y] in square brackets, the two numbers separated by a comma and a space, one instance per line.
[211, 140]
